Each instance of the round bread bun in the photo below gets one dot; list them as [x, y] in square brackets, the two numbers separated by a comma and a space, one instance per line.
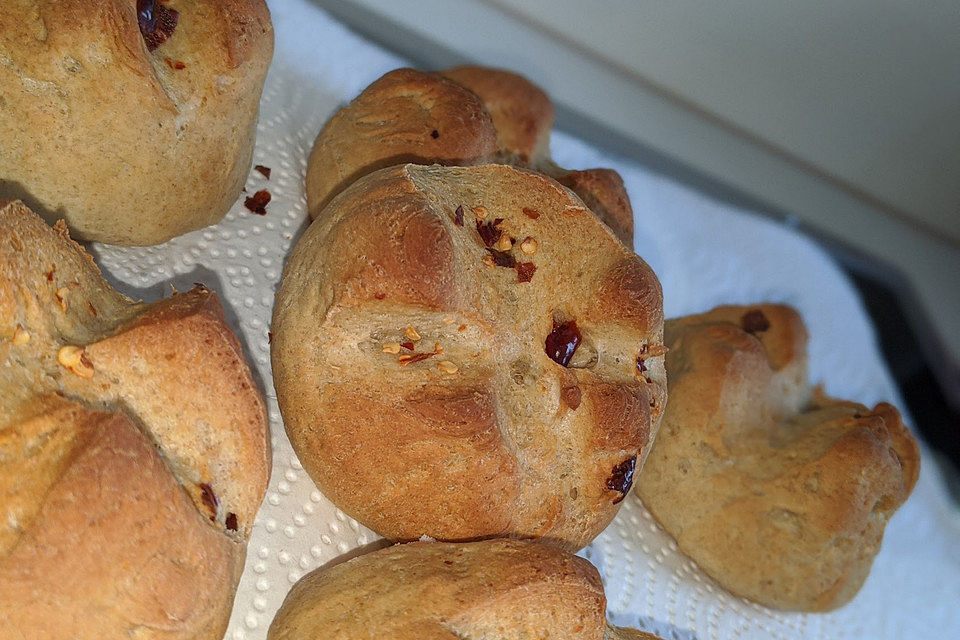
[410, 356]
[133, 120]
[504, 589]
[778, 492]
[134, 451]
[462, 116]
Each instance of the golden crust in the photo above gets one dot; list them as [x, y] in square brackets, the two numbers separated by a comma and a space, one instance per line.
[778, 492]
[129, 145]
[498, 588]
[522, 113]
[509, 443]
[462, 116]
[151, 403]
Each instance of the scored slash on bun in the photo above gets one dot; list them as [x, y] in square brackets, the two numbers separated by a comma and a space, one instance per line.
[456, 355]
[777, 491]
[461, 116]
[135, 449]
[493, 589]
[133, 120]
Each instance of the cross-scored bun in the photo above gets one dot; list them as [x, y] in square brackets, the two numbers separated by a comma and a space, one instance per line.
[777, 491]
[410, 355]
[133, 120]
[133, 450]
[461, 116]
[504, 589]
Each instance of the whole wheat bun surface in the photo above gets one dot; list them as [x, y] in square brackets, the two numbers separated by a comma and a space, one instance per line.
[461, 116]
[134, 121]
[778, 492]
[503, 589]
[133, 450]
[411, 332]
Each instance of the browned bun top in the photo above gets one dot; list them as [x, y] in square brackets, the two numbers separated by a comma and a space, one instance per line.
[133, 120]
[777, 491]
[410, 355]
[504, 589]
[135, 448]
[522, 113]
[462, 116]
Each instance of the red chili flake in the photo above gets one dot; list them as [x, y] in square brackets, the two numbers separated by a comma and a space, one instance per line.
[258, 202]
[503, 258]
[622, 478]
[416, 357]
[379, 296]
[209, 498]
[533, 214]
[525, 271]
[489, 231]
[175, 64]
[754, 321]
[50, 274]
[269, 337]
[407, 345]
[231, 521]
[562, 342]
[157, 22]
[571, 396]
[458, 216]
[92, 308]
[434, 134]
[264, 171]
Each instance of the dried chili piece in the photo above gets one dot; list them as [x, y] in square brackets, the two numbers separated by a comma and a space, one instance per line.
[458, 216]
[503, 259]
[621, 479]
[209, 499]
[525, 271]
[231, 521]
[157, 22]
[562, 342]
[264, 171]
[490, 232]
[754, 321]
[257, 203]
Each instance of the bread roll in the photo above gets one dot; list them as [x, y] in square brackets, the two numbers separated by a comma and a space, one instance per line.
[777, 491]
[503, 589]
[133, 450]
[462, 116]
[132, 120]
[456, 355]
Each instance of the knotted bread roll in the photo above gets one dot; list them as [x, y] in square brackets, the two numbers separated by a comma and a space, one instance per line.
[462, 116]
[468, 352]
[777, 491]
[133, 451]
[503, 589]
[133, 120]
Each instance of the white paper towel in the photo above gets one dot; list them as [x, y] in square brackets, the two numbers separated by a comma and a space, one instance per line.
[704, 253]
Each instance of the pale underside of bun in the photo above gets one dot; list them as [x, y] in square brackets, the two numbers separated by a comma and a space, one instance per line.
[133, 129]
[503, 589]
[411, 364]
[462, 116]
[777, 491]
[134, 448]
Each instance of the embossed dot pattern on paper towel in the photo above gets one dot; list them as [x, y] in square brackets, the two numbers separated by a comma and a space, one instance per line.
[650, 584]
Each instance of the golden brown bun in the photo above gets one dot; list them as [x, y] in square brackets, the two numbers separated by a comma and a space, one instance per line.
[504, 589]
[462, 116]
[486, 435]
[134, 450]
[130, 145]
[778, 492]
